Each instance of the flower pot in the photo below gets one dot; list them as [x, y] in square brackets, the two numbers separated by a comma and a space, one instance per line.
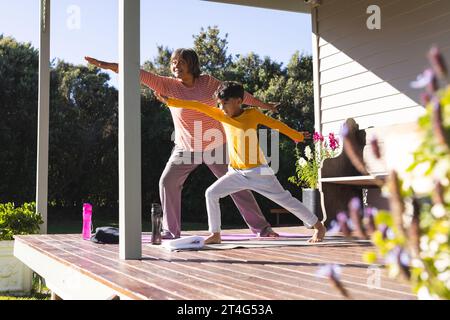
[311, 200]
[15, 277]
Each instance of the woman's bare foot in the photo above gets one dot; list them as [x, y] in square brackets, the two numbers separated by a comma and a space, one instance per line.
[272, 234]
[319, 233]
[214, 238]
[269, 234]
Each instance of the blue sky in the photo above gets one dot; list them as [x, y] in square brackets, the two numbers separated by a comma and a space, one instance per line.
[171, 23]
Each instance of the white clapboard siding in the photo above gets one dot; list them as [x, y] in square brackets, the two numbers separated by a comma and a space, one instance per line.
[332, 8]
[361, 44]
[351, 83]
[342, 72]
[366, 74]
[380, 119]
[392, 11]
[399, 68]
[373, 106]
[362, 94]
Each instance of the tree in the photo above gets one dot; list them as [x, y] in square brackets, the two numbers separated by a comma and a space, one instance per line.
[84, 124]
[18, 118]
[212, 51]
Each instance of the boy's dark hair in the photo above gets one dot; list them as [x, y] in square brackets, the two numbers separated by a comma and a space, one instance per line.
[230, 89]
[191, 58]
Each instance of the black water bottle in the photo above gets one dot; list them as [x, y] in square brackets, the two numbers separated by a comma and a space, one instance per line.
[156, 223]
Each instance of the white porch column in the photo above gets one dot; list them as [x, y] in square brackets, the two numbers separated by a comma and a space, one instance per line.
[43, 113]
[316, 70]
[129, 130]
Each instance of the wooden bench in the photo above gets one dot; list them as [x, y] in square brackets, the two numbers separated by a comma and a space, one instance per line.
[277, 212]
[340, 181]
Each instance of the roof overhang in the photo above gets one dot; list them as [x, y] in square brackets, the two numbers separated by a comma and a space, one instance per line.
[285, 5]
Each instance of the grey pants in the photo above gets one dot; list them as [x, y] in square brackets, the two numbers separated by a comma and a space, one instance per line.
[171, 185]
[260, 179]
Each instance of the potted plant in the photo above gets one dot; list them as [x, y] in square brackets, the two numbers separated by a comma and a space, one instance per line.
[307, 169]
[15, 277]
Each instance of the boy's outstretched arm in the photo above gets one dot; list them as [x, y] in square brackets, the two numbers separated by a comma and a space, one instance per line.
[280, 126]
[212, 112]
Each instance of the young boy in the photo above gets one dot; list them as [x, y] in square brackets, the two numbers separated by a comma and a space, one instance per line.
[248, 167]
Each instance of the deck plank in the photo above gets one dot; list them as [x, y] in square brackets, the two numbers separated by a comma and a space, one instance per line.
[250, 274]
[171, 277]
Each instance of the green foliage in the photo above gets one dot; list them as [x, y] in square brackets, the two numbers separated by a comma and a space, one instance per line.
[18, 220]
[212, 51]
[307, 170]
[83, 155]
[429, 268]
[18, 119]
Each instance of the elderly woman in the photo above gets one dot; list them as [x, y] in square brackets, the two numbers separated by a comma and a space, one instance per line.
[192, 147]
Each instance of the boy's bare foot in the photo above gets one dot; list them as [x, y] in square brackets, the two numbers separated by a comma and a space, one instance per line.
[319, 233]
[214, 238]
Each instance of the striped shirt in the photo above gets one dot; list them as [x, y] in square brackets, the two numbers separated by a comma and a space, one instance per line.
[241, 131]
[194, 131]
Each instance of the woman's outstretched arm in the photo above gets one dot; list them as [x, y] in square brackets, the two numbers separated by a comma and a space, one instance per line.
[163, 85]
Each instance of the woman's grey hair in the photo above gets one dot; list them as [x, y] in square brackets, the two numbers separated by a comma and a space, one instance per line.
[191, 58]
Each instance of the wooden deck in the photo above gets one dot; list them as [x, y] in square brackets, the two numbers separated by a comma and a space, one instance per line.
[77, 269]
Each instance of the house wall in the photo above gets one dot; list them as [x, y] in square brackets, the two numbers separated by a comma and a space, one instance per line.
[365, 74]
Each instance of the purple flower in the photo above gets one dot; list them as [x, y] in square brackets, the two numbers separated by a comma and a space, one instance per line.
[375, 147]
[330, 271]
[343, 222]
[437, 62]
[333, 273]
[344, 130]
[383, 229]
[425, 98]
[370, 214]
[355, 204]
[438, 125]
[424, 79]
[342, 217]
[401, 258]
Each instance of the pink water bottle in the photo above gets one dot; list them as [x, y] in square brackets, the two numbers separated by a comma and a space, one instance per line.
[87, 221]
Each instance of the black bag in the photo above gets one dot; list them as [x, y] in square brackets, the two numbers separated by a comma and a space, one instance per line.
[109, 235]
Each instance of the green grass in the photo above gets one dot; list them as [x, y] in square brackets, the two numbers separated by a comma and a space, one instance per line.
[38, 291]
[35, 296]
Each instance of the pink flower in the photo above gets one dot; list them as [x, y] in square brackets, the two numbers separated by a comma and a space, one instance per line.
[334, 142]
[318, 137]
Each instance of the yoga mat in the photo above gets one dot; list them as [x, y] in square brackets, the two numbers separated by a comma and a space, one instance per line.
[278, 242]
[146, 238]
[328, 241]
[249, 236]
